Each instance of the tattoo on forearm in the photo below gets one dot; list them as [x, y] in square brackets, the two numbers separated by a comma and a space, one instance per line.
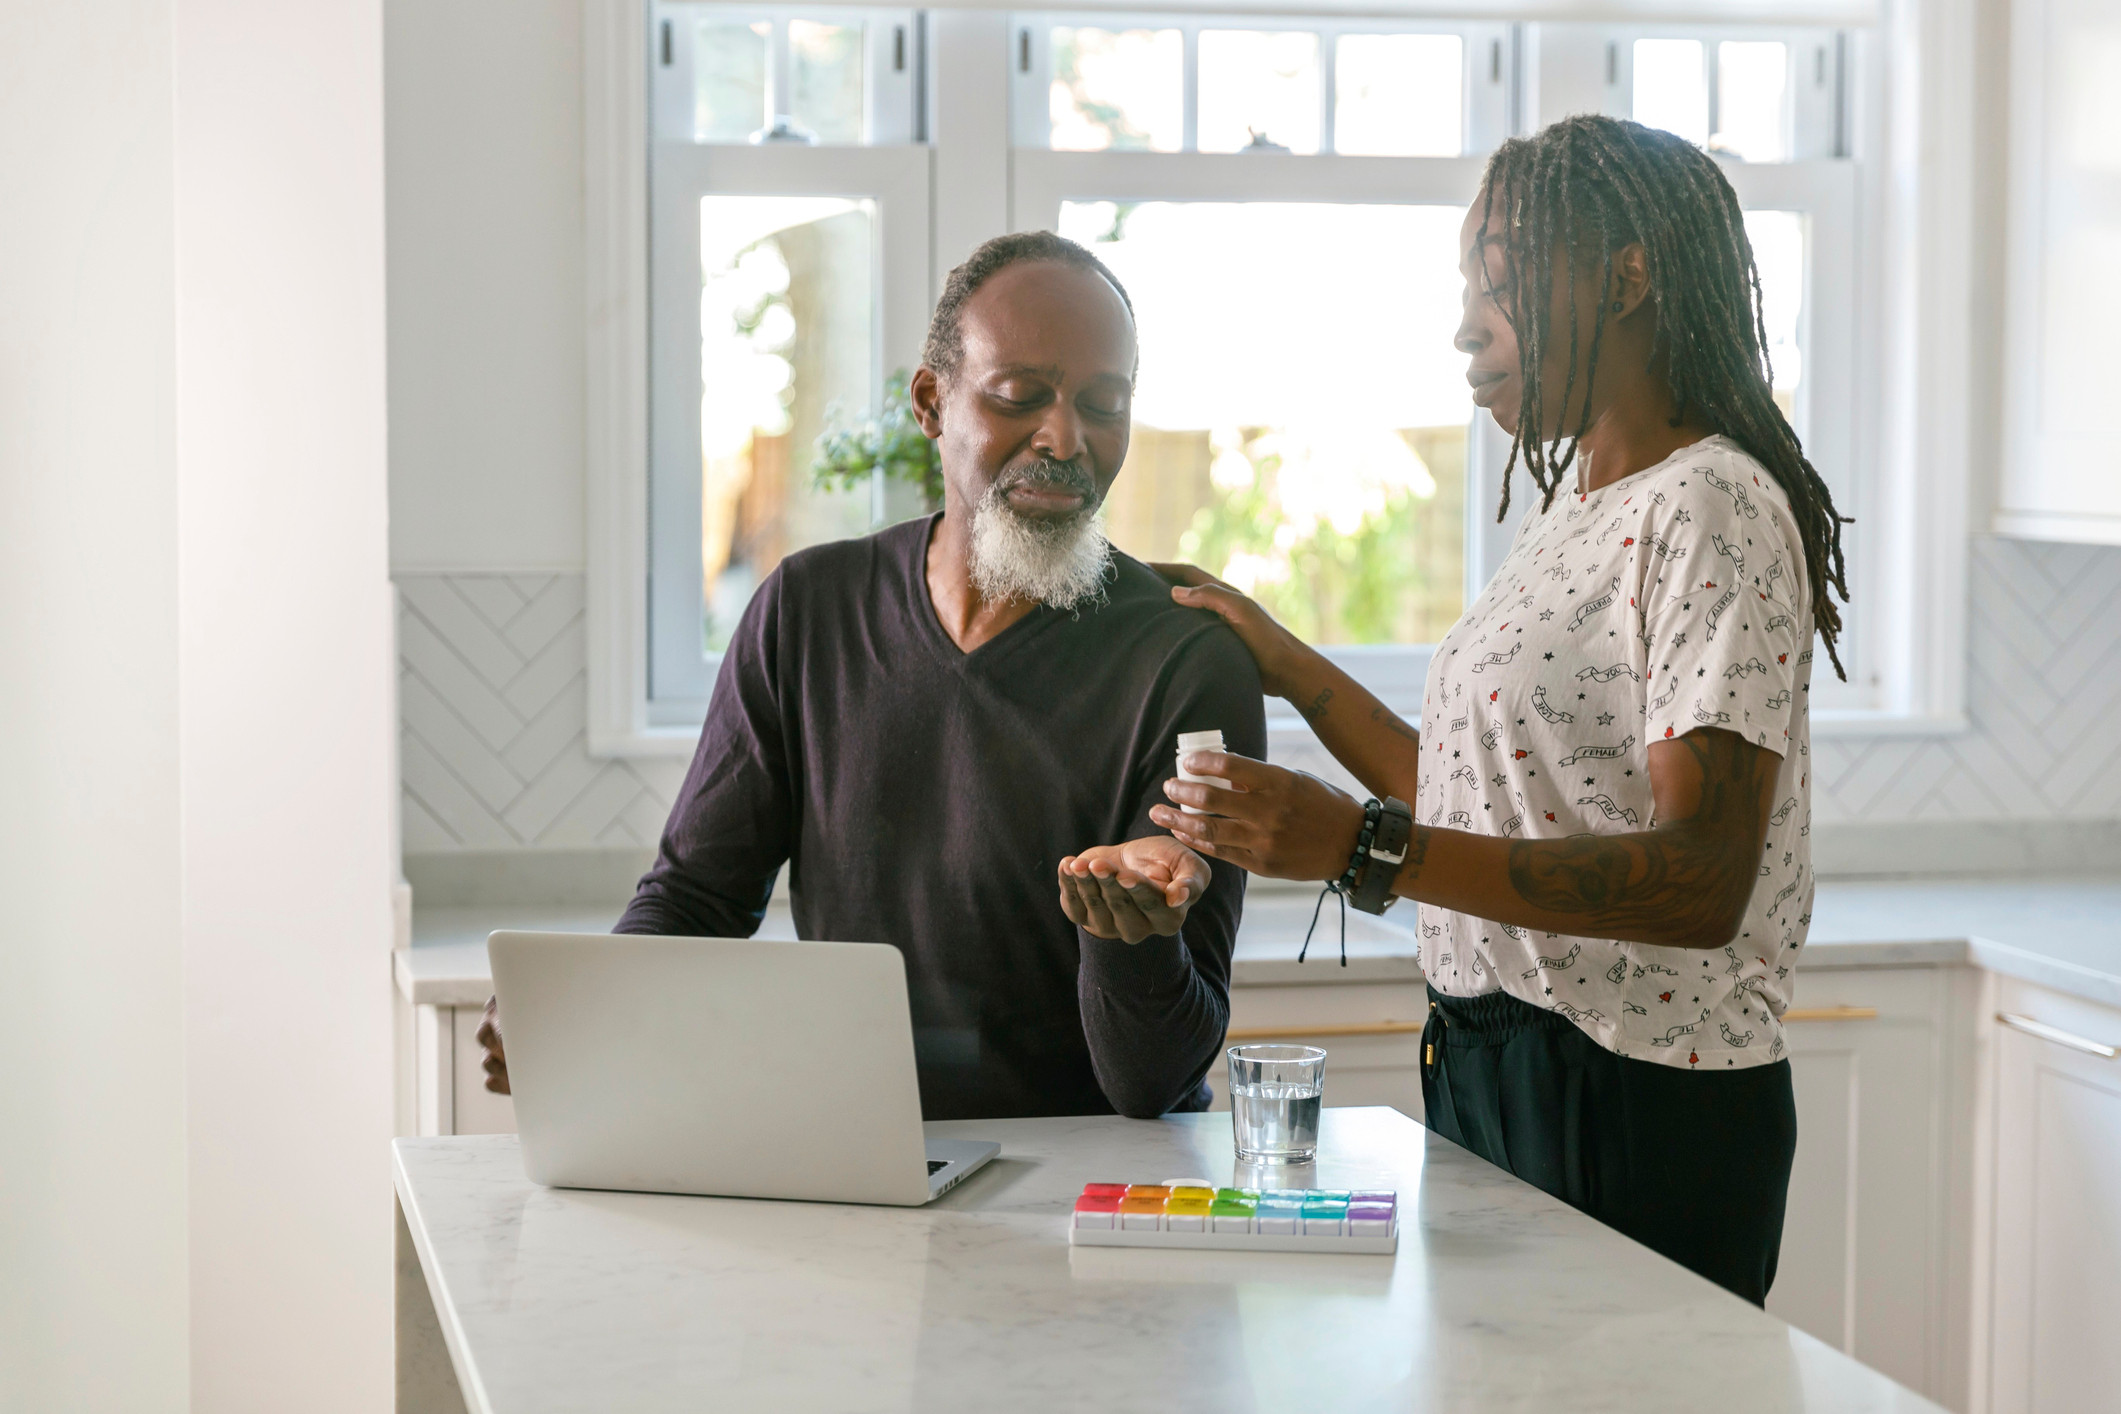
[1317, 709]
[1394, 724]
[1417, 851]
[1695, 873]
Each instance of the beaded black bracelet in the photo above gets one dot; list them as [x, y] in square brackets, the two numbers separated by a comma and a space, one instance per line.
[1372, 811]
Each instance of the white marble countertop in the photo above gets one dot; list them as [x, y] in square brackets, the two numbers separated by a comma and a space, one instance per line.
[2056, 931]
[1499, 1297]
[2063, 933]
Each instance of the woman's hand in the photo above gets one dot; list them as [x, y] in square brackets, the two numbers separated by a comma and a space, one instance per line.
[1141, 889]
[1276, 823]
[1283, 658]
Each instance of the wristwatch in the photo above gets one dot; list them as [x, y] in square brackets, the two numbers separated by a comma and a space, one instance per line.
[1395, 826]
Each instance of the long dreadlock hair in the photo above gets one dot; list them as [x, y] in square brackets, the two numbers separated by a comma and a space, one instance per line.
[1587, 187]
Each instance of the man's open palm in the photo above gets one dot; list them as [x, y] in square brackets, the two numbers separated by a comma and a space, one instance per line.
[1141, 889]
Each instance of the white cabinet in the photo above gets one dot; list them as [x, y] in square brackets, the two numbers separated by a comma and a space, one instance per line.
[2062, 362]
[2056, 1319]
[1874, 1191]
[1879, 1187]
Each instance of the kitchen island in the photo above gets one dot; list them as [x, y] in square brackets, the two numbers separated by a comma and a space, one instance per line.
[1953, 1047]
[1499, 1297]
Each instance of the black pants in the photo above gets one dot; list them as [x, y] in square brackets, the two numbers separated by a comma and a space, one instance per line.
[1695, 1165]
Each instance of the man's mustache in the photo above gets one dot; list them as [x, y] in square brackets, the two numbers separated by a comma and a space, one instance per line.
[1071, 475]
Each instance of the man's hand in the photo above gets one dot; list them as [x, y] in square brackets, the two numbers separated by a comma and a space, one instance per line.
[1140, 889]
[496, 1058]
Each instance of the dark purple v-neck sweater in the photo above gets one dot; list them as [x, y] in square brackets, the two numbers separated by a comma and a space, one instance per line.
[924, 797]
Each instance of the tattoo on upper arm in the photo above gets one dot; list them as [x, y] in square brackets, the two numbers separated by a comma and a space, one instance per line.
[1317, 708]
[1695, 872]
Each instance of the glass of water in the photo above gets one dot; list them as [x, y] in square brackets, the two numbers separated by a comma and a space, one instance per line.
[1274, 1097]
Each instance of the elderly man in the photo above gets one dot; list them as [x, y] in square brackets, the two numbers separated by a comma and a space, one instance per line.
[932, 725]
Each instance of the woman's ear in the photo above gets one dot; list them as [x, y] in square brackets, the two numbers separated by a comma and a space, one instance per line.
[1630, 287]
[926, 391]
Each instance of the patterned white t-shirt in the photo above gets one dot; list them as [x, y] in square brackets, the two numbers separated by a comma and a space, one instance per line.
[1673, 599]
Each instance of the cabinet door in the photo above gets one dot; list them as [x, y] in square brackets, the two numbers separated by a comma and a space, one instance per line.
[1860, 1266]
[2062, 361]
[2057, 1317]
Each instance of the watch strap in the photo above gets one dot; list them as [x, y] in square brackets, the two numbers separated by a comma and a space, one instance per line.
[1387, 852]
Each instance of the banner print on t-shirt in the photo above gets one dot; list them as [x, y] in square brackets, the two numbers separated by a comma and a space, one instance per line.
[1672, 600]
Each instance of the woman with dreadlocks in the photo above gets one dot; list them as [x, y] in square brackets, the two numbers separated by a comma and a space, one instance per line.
[1610, 791]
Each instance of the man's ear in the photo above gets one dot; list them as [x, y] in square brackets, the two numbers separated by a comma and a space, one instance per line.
[927, 392]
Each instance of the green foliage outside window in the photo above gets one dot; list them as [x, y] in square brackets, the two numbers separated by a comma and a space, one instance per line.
[1393, 576]
[890, 441]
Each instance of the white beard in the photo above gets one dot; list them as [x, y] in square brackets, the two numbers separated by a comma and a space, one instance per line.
[1061, 563]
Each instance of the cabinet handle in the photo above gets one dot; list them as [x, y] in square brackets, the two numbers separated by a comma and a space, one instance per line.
[2060, 1037]
[1297, 1033]
[1831, 1013]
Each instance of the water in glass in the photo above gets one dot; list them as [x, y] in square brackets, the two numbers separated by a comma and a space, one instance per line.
[1280, 1121]
[1275, 1093]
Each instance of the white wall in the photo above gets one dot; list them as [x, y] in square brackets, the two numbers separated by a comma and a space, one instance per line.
[92, 1168]
[285, 701]
[484, 128]
[196, 710]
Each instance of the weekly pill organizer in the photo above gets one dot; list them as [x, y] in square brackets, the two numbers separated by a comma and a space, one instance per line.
[1178, 1213]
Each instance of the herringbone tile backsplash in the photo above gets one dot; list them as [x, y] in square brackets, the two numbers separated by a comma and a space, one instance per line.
[492, 700]
[492, 697]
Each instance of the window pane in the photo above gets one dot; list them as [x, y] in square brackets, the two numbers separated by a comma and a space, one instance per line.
[1118, 89]
[1258, 90]
[1671, 91]
[1399, 95]
[1300, 422]
[729, 80]
[786, 294]
[1752, 116]
[825, 79]
[1778, 250]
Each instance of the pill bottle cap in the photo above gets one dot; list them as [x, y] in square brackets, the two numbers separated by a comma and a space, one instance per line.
[1200, 741]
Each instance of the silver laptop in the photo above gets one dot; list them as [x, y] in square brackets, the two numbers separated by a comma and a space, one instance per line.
[725, 1066]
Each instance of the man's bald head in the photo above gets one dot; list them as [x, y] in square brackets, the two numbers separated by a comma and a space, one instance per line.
[945, 348]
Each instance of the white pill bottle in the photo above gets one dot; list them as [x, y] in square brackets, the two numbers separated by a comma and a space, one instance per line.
[1190, 742]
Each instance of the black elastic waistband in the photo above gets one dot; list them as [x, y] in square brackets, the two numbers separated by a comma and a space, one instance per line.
[1493, 1014]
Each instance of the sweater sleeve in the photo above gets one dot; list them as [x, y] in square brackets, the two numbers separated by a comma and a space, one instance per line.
[730, 830]
[1154, 1012]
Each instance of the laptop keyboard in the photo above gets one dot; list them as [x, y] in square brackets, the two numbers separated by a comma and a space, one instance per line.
[936, 1166]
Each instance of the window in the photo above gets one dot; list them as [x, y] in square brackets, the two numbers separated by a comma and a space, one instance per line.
[1770, 104]
[788, 208]
[1281, 197]
[1282, 201]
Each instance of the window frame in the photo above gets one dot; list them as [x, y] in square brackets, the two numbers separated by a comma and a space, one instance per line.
[1486, 106]
[1911, 256]
[680, 673]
